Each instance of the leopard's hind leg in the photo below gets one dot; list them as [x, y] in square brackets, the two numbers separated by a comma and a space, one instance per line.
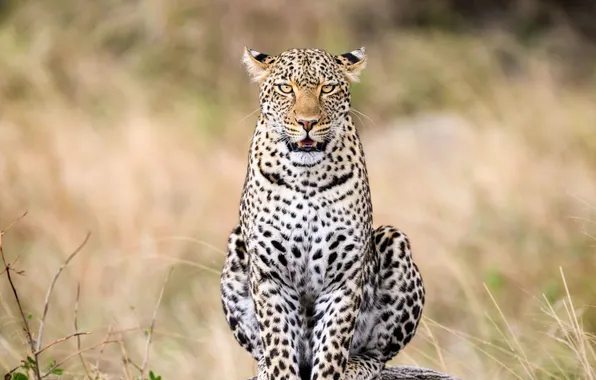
[236, 299]
[392, 303]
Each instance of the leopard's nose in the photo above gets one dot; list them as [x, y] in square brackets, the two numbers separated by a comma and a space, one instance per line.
[307, 124]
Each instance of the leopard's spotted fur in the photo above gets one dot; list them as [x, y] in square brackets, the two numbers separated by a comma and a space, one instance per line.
[308, 287]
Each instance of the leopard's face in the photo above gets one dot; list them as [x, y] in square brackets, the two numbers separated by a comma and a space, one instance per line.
[304, 97]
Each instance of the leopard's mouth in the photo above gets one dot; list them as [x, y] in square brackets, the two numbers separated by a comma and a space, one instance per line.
[307, 145]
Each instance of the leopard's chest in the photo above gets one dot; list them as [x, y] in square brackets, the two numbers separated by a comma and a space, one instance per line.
[318, 238]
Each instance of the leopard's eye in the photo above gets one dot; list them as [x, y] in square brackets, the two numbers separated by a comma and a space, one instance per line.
[328, 88]
[285, 88]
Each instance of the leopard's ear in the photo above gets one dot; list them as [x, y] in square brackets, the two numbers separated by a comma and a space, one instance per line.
[257, 64]
[352, 63]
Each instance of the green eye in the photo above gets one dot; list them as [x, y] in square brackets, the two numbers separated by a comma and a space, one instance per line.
[328, 88]
[285, 88]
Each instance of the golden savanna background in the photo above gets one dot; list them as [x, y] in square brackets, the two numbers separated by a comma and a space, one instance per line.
[131, 119]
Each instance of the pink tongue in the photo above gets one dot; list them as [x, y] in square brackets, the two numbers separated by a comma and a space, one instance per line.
[307, 142]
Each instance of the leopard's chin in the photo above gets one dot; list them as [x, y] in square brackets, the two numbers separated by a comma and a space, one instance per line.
[306, 158]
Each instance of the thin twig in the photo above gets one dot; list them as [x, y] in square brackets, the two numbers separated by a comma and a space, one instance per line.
[150, 335]
[577, 329]
[13, 223]
[213, 271]
[134, 364]
[125, 358]
[77, 334]
[435, 344]
[7, 268]
[103, 347]
[75, 354]
[522, 359]
[51, 288]
[13, 263]
[76, 326]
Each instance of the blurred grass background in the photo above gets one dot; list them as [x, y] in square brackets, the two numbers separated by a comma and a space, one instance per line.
[128, 118]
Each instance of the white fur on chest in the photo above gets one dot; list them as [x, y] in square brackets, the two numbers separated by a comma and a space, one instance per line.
[315, 233]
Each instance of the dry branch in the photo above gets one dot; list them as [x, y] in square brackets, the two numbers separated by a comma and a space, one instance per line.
[103, 347]
[8, 269]
[35, 345]
[76, 326]
[150, 334]
[77, 334]
[51, 288]
[78, 352]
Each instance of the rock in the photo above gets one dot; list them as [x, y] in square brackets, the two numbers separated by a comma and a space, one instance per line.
[409, 373]
[412, 373]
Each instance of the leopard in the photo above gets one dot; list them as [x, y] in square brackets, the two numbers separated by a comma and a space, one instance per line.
[308, 287]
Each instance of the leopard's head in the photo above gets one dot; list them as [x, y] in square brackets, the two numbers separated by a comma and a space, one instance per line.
[304, 97]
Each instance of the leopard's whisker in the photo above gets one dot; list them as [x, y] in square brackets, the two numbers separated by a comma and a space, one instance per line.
[247, 116]
[363, 114]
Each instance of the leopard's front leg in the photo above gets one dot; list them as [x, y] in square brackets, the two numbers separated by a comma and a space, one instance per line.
[336, 308]
[333, 332]
[276, 306]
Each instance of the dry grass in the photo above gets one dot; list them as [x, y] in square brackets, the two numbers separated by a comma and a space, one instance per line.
[133, 128]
